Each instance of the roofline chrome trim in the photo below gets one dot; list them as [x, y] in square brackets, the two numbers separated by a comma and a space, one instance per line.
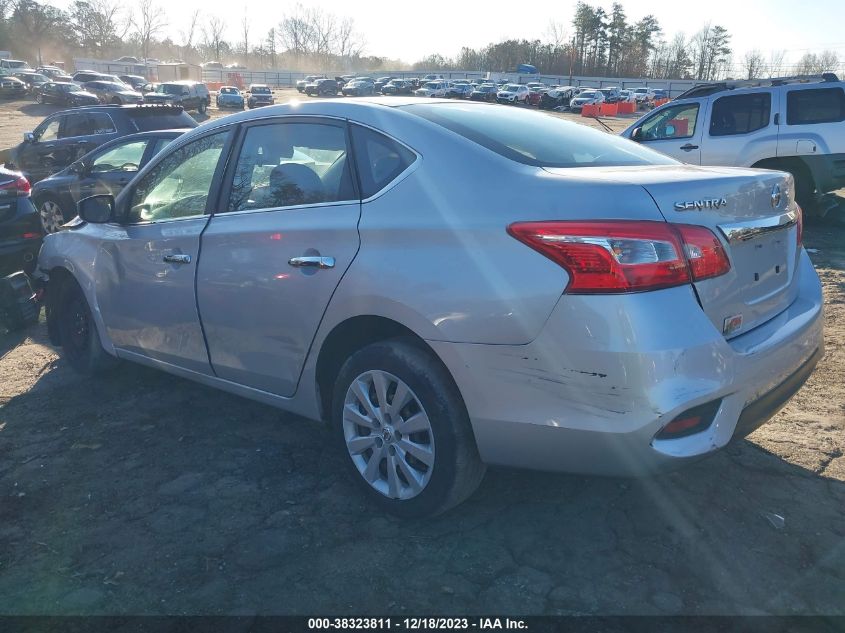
[749, 229]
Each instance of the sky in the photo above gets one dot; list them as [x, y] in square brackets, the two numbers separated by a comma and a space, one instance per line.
[410, 31]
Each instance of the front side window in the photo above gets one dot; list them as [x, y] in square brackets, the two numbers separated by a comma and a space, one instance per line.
[49, 131]
[675, 122]
[123, 158]
[740, 114]
[179, 185]
[290, 164]
[818, 105]
[379, 159]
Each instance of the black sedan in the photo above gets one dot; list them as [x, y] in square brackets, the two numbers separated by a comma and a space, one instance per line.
[20, 229]
[358, 88]
[396, 87]
[65, 94]
[107, 169]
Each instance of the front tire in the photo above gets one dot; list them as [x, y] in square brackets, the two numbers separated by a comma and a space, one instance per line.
[81, 344]
[404, 429]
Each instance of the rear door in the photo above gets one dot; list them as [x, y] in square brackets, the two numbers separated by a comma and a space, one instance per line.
[676, 130]
[282, 235]
[739, 129]
[814, 116]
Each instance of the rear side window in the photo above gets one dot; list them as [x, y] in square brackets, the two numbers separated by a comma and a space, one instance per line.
[821, 105]
[740, 114]
[156, 119]
[379, 159]
[87, 124]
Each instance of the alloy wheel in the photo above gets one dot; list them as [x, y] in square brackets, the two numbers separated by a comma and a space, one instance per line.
[51, 216]
[388, 435]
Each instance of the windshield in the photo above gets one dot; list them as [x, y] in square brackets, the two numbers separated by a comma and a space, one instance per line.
[511, 88]
[13, 63]
[260, 90]
[587, 94]
[537, 139]
[641, 90]
[228, 91]
[432, 85]
[169, 89]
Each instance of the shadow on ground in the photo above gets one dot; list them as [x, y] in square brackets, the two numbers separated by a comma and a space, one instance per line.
[141, 493]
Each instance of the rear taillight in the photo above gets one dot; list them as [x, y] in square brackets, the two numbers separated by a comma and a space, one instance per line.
[800, 224]
[20, 185]
[624, 255]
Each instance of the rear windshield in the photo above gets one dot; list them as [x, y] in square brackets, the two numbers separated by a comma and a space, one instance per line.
[537, 139]
[154, 119]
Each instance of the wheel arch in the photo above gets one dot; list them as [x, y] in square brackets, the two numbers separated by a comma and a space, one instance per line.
[351, 335]
[793, 164]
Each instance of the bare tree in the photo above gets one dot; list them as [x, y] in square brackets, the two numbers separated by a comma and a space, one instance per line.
[775, 64]
[753, 64]
[213, 34]
[556, 33]
[245, 36]
[828, 61]
[189, 33]
[148, 23]
[99, 25]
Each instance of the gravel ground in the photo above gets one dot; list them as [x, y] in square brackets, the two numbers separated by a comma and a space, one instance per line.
[141, 493]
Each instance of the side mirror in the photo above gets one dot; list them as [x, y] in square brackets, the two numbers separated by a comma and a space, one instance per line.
[77, 167]
[28, 137]
[637, 134]
[96, 209]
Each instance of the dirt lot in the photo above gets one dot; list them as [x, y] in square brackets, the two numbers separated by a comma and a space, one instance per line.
[140, 493]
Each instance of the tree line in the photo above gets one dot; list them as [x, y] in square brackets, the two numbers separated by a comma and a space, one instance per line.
[594, 43]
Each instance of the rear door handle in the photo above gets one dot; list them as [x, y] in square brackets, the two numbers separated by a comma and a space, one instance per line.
[689, 147]
[312, 262]
[177, 258]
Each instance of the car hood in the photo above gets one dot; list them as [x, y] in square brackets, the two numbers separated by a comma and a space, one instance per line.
[261, 97]
[156, 96]
[83, 93]
[129, 93]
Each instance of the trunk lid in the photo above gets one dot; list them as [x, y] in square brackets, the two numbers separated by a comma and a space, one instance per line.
[754, 215]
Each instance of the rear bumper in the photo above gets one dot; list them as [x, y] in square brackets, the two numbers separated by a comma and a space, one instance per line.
[607, 373]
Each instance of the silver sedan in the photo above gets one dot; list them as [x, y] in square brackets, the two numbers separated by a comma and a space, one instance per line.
[450, 285]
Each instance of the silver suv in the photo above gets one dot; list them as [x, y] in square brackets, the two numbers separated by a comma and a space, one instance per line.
[794, 124]
[450, 285]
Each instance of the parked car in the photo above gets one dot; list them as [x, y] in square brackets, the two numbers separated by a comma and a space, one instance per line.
[230, 97]
[212, 66]
[611, 94]
[110, 92]
[413, 82]
[8, 66]
[381, 82]
[84, 76]
[513, 94]
[432, 89]
[133, 81]
[660, 94]
[558, 97]
[54, 73]
[65, 94]
[11, 87]
[148, 87]
[450, 357]
[535, 93]
[259, 95]
[309, 79]
[32, 79]
[586, 97]
[396, 87]
[644, 95]
[66, 136]
[191, 95]
[459, 90]
[20, 230]
[128, 59]
[426, 78]
[627, 96]
[358, 88]
[484, 92]
[107, 169]
[322, 88]
[787, 124]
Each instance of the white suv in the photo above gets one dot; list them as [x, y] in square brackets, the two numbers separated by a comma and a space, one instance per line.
[790, 124]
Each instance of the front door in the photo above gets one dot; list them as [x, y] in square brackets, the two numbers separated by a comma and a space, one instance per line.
[675, 130]
[37, 157]
[276, 248]
[110, 170]
[147, 262]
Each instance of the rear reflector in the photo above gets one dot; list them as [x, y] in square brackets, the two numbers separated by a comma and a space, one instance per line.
[626, 256]
[690, 422]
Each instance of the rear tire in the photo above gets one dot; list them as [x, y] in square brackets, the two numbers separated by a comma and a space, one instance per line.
[81, 344]
[427, 458]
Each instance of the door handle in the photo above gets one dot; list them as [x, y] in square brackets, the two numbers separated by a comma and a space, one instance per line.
[312, 262]
[177, 258]
[689, 147]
